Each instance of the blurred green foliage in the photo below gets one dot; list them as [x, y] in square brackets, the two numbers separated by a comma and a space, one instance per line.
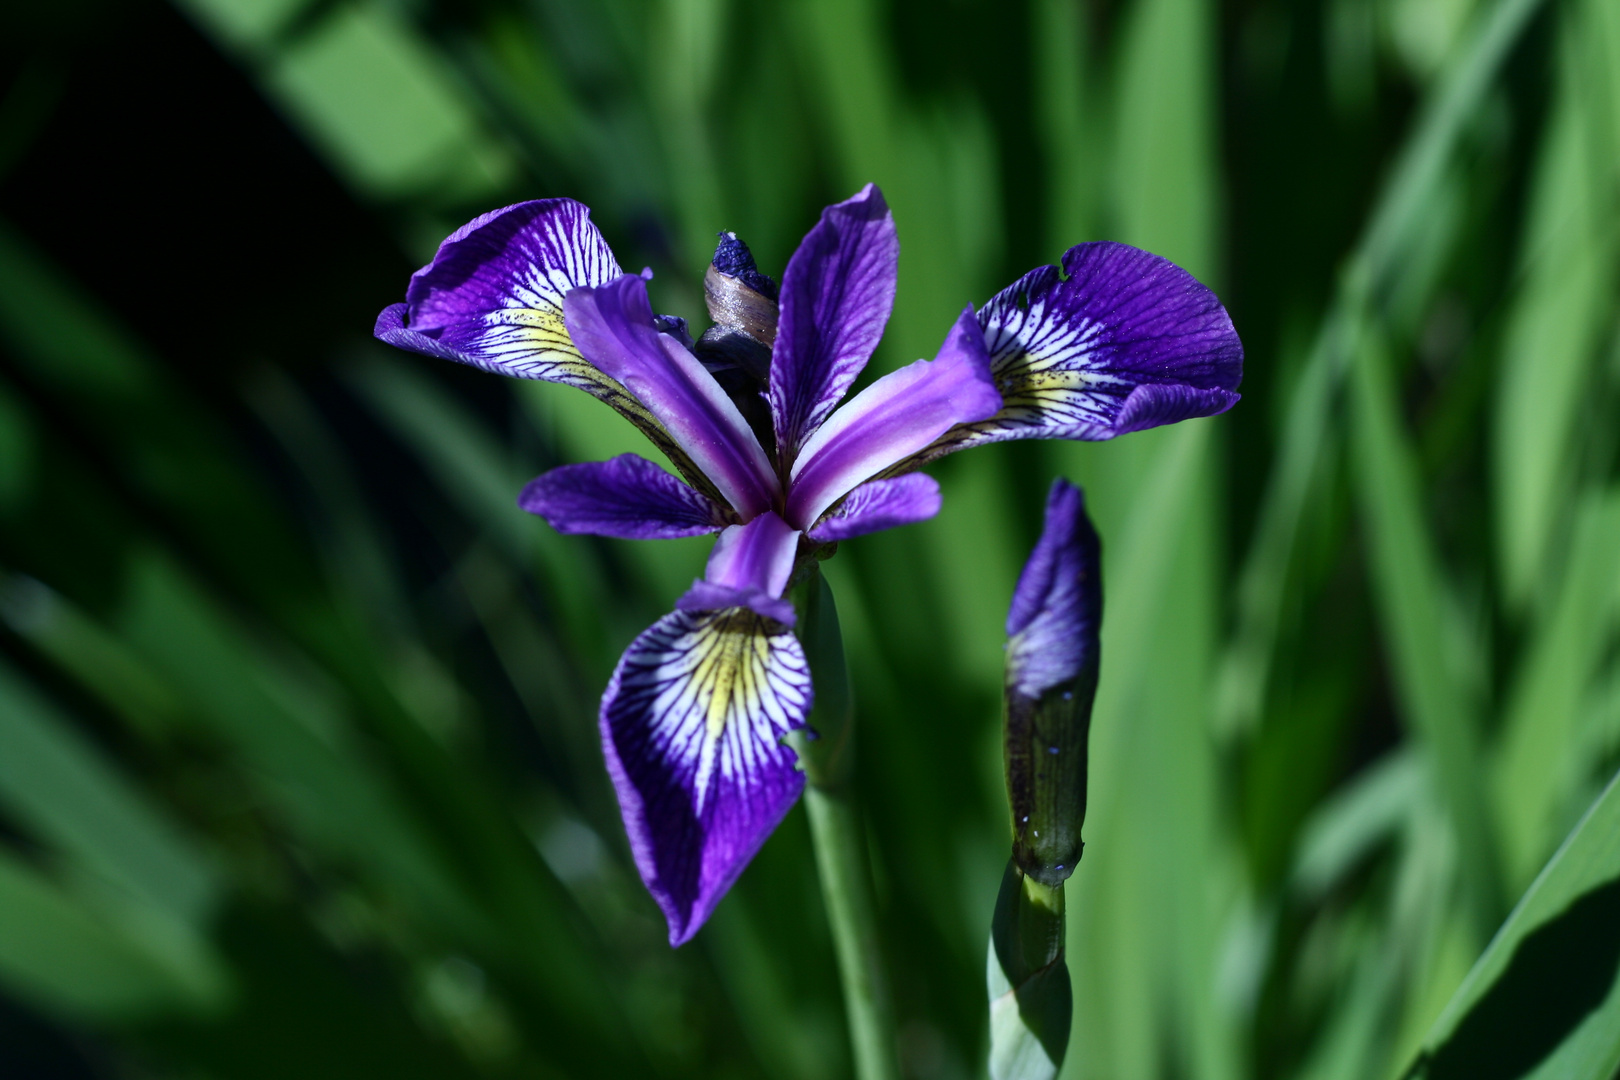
[299, 773]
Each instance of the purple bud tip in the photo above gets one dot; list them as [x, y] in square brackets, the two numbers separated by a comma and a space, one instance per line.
[733, 259]
[1057, 606]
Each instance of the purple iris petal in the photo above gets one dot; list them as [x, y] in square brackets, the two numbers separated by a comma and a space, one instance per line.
[492, 296]
[895, 417]
[1118, 341]
[758, 553]
[691, 724]
[1152, 405]
[749, 567]
[628, 497]
[707, 596]
[1068, 350]
[613, 326]
[1057, 607]
[837, 293]
[880, 504]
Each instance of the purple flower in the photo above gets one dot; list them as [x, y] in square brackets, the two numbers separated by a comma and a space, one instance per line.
[752, 416]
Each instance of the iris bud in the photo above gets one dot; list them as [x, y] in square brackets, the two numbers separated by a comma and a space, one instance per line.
[739, 296]
[1052, 656]
[736, 350]
[742, 303]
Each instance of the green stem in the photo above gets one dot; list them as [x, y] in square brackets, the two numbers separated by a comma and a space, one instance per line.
[836, 831]
[835, 827]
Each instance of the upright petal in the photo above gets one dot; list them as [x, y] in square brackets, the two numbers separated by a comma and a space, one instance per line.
[877, 505]
[492, 298]
[749, 567]
[692, 724]
[897, 416]
[613, 325]
[628, 497]
[1120, 340]
[837, 293]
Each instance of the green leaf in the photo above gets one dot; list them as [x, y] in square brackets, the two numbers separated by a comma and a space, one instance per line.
[377, 101]
[1309, 443]
[100, 963]
[1565, 303]
[1420, 630]
[1031, 1003]
[71, 797]
[1542, 1000]
[1541, 757]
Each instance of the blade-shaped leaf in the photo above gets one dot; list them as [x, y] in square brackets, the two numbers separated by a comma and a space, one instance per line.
[1542, 1000]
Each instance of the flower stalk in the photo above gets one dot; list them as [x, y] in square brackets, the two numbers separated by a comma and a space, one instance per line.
[1031, 1001]
[838, 835]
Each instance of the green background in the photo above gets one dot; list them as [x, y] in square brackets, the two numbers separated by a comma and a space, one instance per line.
[299, 773]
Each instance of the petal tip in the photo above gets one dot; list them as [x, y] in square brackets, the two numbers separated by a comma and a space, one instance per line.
[389, 321]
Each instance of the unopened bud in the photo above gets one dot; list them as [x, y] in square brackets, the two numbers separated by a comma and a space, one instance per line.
[740, 298]
[736, 350]
[1052, 656]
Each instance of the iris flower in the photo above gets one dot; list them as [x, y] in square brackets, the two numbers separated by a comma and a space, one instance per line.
[773, 459]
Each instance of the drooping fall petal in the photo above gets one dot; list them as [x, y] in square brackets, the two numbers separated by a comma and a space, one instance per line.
[691, 725]
[1118, 341]
[493, 298]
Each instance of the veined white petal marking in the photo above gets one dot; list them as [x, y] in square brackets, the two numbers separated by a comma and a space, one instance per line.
[711, 692]
[692, 725]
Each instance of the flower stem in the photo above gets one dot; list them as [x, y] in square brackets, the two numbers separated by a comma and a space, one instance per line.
[847, 892]
[840, 840]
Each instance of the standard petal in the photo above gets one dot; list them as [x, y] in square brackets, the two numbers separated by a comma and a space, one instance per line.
[895, 417]
[613, 325]
[492, 298]
[628, 497]
[692, 724]
[837, 293]
[1056, 613]
[877, 505]
[1120, 340]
